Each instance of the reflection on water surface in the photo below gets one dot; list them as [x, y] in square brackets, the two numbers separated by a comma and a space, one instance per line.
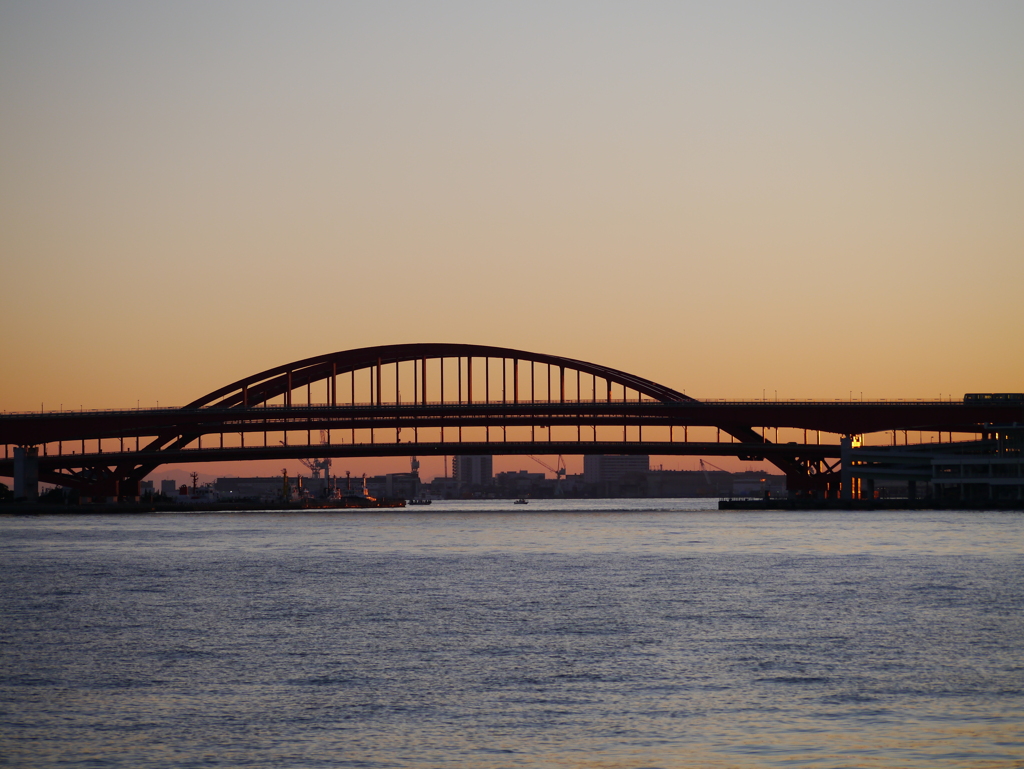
[473, 635]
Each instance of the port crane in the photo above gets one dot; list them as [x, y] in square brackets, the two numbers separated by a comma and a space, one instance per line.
[558, 471]
[707, 478]
[316, 466]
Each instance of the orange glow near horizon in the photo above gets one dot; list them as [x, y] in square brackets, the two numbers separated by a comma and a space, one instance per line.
[792, 202]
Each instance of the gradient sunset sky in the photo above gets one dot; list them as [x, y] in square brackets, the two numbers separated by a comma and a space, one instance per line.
[808, 199]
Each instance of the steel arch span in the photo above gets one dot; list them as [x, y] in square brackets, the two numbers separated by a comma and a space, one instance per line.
[407, 386]
[280, 380]
[284, 381]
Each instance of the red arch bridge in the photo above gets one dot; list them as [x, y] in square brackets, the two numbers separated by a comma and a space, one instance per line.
[445, 399]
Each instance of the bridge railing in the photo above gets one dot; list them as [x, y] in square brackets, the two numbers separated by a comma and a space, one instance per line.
[455, 403]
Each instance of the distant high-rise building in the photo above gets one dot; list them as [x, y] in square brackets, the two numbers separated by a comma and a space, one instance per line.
[472, 470]
[612, 468]
[168, 487]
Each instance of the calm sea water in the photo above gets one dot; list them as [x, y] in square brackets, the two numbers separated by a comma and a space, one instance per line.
[564, 634]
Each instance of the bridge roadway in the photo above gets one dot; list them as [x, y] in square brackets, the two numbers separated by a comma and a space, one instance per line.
[753, 451]
[388, 422]
[837, 417]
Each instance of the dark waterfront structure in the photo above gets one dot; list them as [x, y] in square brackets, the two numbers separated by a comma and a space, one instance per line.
[451, 399]
[986, 471]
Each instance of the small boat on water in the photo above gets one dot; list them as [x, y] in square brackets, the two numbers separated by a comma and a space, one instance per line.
[520, 501]
[420, 501]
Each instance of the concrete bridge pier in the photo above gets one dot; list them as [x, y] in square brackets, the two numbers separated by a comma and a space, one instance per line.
[26, 473]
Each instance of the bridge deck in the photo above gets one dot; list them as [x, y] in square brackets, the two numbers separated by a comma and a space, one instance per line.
[842, 418]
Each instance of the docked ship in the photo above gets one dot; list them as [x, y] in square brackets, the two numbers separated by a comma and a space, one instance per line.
[356, 498]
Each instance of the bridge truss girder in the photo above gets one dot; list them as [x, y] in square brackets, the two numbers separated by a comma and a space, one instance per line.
[419, 371]
[64, 470]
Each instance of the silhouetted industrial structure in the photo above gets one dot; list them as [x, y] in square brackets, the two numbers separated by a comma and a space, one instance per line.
[468, 400]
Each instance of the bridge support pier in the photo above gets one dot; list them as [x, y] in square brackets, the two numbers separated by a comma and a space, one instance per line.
[26, 473]
[128, 490]
[102, 492]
